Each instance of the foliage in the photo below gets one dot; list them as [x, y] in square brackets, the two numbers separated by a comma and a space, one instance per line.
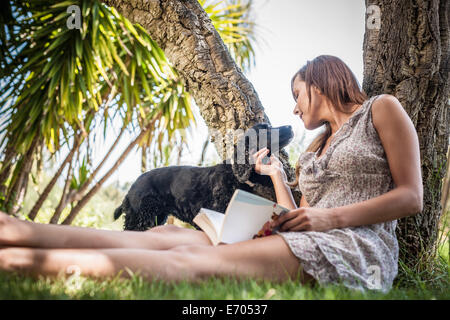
[58, 83]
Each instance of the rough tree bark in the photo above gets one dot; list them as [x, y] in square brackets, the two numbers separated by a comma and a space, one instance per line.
[407, 55]
[226, 99]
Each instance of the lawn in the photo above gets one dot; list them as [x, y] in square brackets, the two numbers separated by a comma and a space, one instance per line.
[19, 287]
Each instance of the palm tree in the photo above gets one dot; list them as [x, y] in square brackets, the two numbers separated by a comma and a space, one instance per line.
[60, 83]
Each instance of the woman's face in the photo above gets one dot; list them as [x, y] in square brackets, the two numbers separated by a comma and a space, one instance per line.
[312, 117]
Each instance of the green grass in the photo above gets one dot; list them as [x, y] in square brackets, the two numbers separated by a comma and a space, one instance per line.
[20, 287]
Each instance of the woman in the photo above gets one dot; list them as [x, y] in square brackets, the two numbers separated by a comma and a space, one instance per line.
[343, 230]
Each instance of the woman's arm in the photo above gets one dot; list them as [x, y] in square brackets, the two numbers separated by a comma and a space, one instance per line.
[395, 204]
[401, 144]
[282, 191]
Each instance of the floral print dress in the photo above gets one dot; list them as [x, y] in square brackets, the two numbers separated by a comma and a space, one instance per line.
[354, 168]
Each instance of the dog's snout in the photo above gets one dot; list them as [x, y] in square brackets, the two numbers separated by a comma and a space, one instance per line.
[290, 129]
[287, 130]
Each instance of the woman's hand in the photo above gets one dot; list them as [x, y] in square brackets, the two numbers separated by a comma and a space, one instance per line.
[273, 167]
[306, 219]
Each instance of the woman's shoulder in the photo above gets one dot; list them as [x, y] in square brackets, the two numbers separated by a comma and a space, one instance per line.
[392, 123]
[385, 98]
[387, 111]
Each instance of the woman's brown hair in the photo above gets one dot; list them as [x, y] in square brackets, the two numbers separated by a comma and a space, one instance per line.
[337, 83]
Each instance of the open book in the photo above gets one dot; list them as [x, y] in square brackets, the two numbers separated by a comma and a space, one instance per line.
[246, 217]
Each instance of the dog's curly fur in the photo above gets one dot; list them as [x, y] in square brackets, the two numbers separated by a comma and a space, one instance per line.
[183, 190]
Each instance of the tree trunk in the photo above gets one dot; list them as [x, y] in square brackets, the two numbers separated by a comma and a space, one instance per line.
[17, 190]
[44, 195]
[22, 188]
[7, 163]
[66, 195]
[407, 55]
[226, 99]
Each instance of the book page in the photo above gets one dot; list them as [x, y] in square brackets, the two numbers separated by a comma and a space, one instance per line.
[216, 219]
[245, 216]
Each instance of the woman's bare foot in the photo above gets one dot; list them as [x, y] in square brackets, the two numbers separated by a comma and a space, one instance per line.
[12, 230]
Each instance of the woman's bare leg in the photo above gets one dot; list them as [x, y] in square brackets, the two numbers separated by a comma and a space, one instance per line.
[20, 233]
[95, 263]
[265, 258]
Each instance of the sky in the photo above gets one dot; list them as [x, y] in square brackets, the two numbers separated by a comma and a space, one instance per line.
[290, 32]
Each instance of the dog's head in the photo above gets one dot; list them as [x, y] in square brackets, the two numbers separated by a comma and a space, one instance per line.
[257, 137]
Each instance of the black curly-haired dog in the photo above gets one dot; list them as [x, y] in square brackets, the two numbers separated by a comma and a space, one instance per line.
[183, 190]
